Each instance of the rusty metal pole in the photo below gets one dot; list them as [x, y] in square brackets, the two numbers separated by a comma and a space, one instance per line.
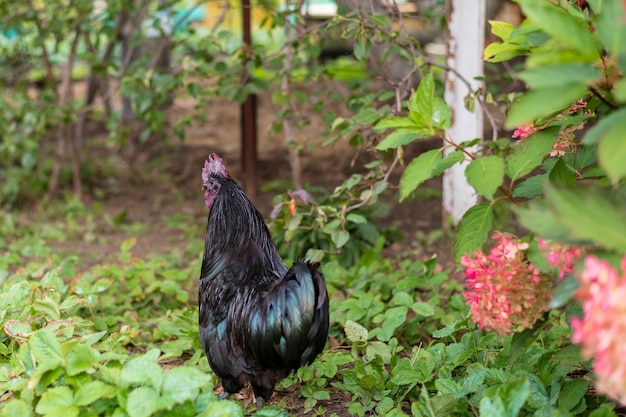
[248, 115]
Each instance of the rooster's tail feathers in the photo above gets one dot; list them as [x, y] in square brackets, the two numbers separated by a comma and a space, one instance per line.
[295, 323]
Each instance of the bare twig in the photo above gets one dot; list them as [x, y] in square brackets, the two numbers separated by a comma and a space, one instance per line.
[364, 202]
[603, 99]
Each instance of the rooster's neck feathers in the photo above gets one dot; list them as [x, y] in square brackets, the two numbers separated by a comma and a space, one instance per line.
[233, 211]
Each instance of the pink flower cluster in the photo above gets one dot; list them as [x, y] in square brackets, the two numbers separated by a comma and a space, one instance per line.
[602, 329]
[505, 292]
[565, 142]
[560, 256]
[522, 132]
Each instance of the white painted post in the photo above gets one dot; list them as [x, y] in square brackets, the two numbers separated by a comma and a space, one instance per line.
[466, 41]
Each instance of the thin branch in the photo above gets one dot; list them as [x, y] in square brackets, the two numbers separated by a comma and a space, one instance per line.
[385, 179]
[44, 52]
[603, 99]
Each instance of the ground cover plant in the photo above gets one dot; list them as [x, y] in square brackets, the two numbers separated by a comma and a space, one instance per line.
[524, 318]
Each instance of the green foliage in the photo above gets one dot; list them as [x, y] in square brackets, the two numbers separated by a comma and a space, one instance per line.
[120, 338]
[562, 67]
[341, 223]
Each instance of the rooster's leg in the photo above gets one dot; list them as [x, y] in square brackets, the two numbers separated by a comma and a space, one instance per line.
[260, 402]
[223, 395]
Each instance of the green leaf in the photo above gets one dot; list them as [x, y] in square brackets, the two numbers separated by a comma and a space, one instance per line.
[141, 370]
[597, 132]
[222, 409]
[92, 391]
[356, 218]
[605, 410]
[485, 174]
[47, 307]
[423, 309]
[560, 75]
[421, 102]
[515, 394]
[362, 48]
[498, 52]
[57, 401]
[183, 383]
[610, 29]
[619, 91]
[492, 407]
[560, 174]
[442, 115]
[472, 231]
[530, 187]
[419, 170]
[46, 349]
[80, 359]
[194, 90]
[366, 116]
[16, 408]
[449, 386]
[142, 402]
[451, 159]
[402, 137]
[572, 392]
[539, 219]
[562, 26]
[589, 213]
[612, 149]
[275, 412]
[405, 376]
[445, 331]
[564, 291]
[377, 348]
[522, 340]
[443, 405]
[529, 153]
[502, 30]
[339, 237]
[14, 328]
[379, 19]
[541, 103]
[355, 332]
[397, 122]
[128, 244]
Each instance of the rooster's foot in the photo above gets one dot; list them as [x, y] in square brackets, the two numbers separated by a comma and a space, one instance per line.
[260, 402]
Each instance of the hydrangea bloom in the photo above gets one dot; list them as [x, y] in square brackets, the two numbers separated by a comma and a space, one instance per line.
[565, 142]
[504, 291]
[522, 132]
[560, 256]
[602, 329]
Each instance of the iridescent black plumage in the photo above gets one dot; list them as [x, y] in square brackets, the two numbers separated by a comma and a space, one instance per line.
[258, 320]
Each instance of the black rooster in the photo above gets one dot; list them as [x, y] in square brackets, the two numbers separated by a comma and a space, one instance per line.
[258, 319]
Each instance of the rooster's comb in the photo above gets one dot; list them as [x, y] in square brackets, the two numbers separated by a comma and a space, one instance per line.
[213, 166]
